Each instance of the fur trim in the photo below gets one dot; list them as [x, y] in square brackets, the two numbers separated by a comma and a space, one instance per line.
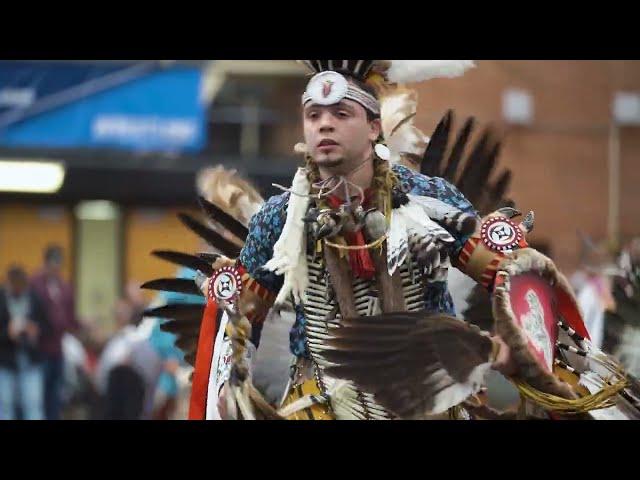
[289, 255]
[522, 261]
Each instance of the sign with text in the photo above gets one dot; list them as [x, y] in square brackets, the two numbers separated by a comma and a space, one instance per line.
[135, 106]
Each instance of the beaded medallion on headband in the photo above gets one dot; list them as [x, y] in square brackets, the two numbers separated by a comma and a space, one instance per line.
[328, 88]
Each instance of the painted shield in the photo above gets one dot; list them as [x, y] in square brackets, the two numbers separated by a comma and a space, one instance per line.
[534, 306]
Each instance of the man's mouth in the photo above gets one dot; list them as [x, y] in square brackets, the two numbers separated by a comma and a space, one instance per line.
[327, 143]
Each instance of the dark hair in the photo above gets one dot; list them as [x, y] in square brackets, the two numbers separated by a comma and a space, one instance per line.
[16, 272]
[52, 252]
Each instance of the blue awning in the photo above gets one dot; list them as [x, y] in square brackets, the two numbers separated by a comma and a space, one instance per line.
[136, 106]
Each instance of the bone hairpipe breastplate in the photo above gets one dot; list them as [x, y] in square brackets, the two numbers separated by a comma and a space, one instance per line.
[322, 313]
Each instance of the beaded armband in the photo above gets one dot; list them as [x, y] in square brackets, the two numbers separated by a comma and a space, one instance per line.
[255, 300]
[496, 237]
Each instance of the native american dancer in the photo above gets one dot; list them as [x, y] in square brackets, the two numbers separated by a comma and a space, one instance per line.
[360, 247]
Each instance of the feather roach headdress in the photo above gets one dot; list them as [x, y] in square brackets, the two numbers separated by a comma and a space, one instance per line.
[391, 71]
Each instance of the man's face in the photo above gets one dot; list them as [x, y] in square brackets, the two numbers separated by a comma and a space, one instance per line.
[54, 264]
[339, 136]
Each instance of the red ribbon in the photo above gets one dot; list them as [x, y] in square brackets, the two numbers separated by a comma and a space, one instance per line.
[204, 357]
[360, 260]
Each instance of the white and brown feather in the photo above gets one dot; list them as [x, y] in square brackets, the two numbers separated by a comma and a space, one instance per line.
[415, 365]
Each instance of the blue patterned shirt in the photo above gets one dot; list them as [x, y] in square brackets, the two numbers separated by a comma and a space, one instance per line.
[266, 226]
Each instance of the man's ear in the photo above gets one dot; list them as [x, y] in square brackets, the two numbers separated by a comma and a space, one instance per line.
[376, 129]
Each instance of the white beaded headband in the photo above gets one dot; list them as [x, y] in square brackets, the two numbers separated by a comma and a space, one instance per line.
[328, 88]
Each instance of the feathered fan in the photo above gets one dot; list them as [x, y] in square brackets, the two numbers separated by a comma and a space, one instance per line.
[414, 364]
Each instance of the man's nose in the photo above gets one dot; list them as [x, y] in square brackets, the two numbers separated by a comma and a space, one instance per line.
[326, 124]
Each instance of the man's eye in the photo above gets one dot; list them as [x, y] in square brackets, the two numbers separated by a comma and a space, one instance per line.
[343, 113]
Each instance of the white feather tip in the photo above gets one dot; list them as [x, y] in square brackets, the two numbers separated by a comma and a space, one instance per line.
[408, 71]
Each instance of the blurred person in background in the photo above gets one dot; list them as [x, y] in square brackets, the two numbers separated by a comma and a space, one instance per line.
[22, 323]
[167, 389]
[59, 305]
[81, 355]
[593, 283]
[622, 327]
[78, 394]
[128, 370]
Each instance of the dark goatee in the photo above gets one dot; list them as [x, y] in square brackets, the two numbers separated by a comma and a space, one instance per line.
[328, 163]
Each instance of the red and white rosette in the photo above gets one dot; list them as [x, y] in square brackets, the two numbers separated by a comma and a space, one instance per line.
[500, 234]
[225, 285]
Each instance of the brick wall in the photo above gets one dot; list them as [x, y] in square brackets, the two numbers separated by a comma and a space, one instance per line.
[560, 161]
